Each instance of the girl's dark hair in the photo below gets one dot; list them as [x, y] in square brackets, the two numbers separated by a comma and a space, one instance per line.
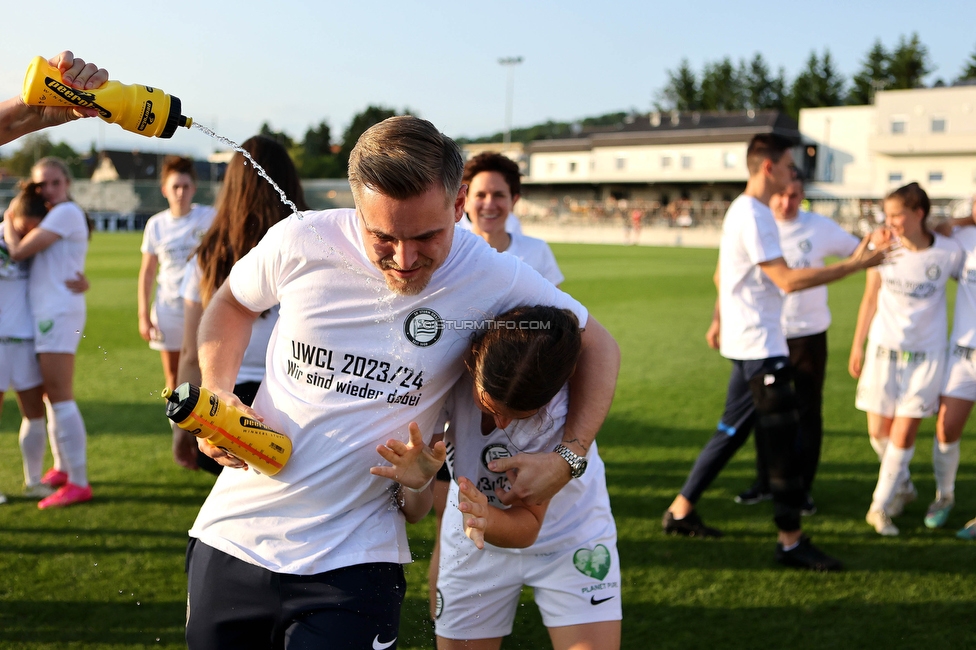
[177, 165]
[29, 202]
[913, 197]
[247, 207]
[526, 356]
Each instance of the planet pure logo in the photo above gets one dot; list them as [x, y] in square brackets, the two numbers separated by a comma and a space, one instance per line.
[76, 97]
[45, 326]
[594, 562]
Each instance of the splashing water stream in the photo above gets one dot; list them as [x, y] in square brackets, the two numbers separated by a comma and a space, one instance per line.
[257, 167]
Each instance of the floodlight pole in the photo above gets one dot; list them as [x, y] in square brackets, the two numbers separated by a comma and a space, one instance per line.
[509, 62]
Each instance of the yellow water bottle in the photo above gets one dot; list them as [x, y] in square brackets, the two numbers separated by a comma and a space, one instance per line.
[140, 109]
[200, 412]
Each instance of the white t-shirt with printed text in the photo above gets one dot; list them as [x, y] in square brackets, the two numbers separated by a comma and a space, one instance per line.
[61, 261]
[911, 312]
[805, 241]
[572, 512]
[349, 366]
[173, 240]
[750, 303]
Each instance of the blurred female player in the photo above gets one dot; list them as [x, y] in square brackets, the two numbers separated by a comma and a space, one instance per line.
[903, 319]
[167, 243]
[58, 246]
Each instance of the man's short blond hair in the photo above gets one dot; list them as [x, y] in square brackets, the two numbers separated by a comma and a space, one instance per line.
[403, 157]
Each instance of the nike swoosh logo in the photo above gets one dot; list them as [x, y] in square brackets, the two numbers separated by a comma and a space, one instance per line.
[594, 601]
[378, 645]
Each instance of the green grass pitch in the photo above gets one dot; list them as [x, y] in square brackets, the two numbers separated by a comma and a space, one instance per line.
[110, 574]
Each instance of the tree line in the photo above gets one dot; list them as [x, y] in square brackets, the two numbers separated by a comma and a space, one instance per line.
[725, 86]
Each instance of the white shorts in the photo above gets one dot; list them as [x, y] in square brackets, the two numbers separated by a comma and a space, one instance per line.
[168, 321]
[895, 383]
[478, 591]
[960, 375]
[59, 333]
[18, 365]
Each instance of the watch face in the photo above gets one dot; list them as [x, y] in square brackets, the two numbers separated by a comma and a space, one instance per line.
[580, 468]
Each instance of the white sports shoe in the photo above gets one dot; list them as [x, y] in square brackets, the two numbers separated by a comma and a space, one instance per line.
[38, 490]
[938, 512]
[3, 499]
[906, 494]
[882, 523]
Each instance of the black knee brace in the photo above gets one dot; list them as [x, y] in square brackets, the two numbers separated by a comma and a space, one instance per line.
[777, 422]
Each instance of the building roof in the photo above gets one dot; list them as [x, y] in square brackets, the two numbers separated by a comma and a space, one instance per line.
[676, 128]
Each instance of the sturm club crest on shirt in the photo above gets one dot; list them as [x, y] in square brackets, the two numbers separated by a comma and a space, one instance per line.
[423, 327]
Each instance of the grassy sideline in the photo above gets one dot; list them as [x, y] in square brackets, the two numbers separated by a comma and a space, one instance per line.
[110, 574]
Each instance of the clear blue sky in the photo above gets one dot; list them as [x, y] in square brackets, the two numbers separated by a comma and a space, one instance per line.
[237, 64]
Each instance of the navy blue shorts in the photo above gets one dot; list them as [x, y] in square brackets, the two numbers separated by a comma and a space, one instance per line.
[235, 605]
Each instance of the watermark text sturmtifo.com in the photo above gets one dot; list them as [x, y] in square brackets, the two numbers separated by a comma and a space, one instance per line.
[489, 324]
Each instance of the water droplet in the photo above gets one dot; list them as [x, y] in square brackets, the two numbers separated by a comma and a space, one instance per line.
[138, 603]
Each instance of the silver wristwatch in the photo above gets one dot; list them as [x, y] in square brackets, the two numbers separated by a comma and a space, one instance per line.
[577, 463]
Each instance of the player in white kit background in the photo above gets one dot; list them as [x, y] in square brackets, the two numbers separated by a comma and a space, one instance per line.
[57, 248]
[168, 242]
[902, 319]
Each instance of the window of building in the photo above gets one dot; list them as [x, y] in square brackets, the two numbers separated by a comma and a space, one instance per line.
[621, 163]
[938, 125]
[730, 160]
[685, 162]
[894, 177]
[665, 162]
[572, 167]
[897, 126]
[935, 177]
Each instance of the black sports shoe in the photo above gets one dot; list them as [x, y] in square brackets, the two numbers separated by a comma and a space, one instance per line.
[809, 507]
[753, 495]
[807, 556]
[690, 526]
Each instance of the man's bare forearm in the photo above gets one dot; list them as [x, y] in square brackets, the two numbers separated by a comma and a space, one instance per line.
[592, 387]
[225, 330]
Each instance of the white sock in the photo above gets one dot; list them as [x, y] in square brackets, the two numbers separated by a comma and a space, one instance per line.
[893, 473]
[52, 437]
[72, 439]
[879, 445]
[945, 462]
[33, 442]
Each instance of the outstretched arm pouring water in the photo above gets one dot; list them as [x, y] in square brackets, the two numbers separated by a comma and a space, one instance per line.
[18, 119]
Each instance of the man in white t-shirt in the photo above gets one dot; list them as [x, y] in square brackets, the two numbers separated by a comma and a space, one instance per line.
[806, 239]
[753, 275]
[376, 306]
